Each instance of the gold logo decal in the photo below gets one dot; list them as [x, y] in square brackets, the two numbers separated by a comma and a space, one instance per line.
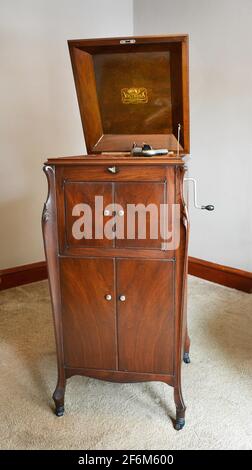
[134, 95]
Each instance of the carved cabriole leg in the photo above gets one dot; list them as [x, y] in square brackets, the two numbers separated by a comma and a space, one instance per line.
[50, 236]
[181, 277]
[186, 357]
[59, 395]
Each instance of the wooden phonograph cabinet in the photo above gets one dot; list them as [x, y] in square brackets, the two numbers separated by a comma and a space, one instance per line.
[119, 300]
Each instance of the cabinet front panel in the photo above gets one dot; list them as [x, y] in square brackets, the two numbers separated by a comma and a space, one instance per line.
[89, 320]
[140, 225]
[145, 302]
[84, 214]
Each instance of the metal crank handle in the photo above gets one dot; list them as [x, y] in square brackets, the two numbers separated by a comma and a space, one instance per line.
[209, 207]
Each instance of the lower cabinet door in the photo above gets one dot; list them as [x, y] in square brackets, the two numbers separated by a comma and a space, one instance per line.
[88, 317]
[145, 309]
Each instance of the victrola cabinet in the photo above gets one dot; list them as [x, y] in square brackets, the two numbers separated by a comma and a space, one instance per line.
[119, 302]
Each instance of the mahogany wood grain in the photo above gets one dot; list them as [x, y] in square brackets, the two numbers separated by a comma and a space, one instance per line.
[185, 94]
[85, 193]
[121, 141]
[144, 334]
[74, 187]
[51, 245]
[134, 252]
[86, 92]
[102, 173]
[159, 38]
[148, 63]
[143, 195]
[147, 69]
[89, 320]
[120, 158]
[176, 93]
[119, 376]
[146, 317]
[180, 291]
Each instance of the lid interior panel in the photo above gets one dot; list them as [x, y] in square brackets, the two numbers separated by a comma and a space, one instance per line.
[130, 94]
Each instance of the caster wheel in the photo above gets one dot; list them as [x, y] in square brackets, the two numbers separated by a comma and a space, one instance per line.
[59, 411]
[186, 358]
[179, 424]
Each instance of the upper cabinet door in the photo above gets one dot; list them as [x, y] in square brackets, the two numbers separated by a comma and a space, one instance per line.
[145, 309]
[138, 210]
[88, 207]
[88, 312]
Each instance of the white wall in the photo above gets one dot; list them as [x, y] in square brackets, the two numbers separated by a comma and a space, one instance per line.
[39, 114]
[221, 117]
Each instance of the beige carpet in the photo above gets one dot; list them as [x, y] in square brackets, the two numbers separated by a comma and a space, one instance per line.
[101, 415]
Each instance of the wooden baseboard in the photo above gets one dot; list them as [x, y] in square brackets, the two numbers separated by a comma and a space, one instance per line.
[224, 275]
[23, 275]
[229, 277]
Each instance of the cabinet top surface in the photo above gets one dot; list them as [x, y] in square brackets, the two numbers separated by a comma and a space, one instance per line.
[123, 159]
[132, 90]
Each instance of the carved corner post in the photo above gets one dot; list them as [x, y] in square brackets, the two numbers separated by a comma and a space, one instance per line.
[186, 338]
[50, 237]
[182, 340]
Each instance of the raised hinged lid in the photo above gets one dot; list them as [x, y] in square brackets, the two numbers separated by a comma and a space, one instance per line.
[132, 90]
